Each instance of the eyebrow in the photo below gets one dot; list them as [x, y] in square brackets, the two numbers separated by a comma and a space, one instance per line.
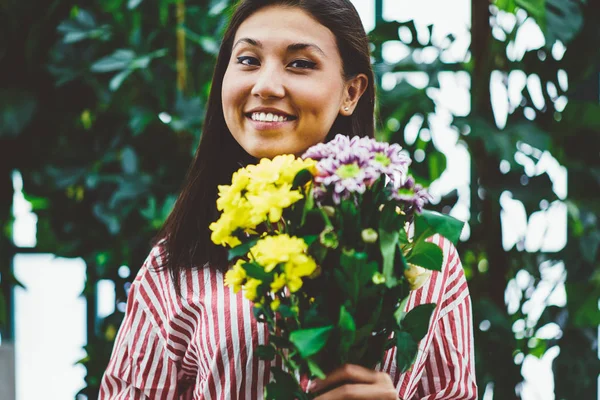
[291, 48]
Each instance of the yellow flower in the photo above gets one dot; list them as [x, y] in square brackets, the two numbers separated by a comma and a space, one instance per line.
[250, 288]
[222, 230]
[294, 283]
[300, 267]
[258, 193]
[290, 252]
[278, 283]
[236, 276]
[273, 250]
[272, 200]
[275, 304]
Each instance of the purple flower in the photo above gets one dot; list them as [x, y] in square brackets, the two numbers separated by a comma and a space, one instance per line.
[390, 160]
[412, 196]
[349, 172]
[329, 149]
[351, 165]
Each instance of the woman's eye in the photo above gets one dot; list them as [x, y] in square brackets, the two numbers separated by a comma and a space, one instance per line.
[305, 64]
[246, 60]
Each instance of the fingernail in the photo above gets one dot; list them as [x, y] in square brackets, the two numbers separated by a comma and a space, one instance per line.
[313, 385]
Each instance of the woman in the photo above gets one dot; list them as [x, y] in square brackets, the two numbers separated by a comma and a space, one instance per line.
[290, 74]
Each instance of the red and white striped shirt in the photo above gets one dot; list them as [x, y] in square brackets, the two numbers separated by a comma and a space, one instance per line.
[200, 345]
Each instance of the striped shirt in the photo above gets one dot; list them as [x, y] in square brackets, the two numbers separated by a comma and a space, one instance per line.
[199, 345]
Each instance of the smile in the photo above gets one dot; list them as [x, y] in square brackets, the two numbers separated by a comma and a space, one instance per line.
[269, 117]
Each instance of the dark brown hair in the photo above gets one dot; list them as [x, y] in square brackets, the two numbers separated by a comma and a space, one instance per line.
[187, 237]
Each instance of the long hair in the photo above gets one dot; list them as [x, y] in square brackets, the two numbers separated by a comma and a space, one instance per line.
[186, 235]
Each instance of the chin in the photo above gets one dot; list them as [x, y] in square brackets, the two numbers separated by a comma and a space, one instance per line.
[262, 153]
[262, 150]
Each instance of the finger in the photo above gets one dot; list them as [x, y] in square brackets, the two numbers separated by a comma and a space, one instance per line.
[346, 373]
[359, 392]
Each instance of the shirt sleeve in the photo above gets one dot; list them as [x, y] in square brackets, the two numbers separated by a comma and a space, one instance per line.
[140, 366]
[444, 367]
[449, 371]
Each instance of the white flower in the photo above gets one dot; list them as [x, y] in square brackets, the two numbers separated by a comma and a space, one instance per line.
[416, 276]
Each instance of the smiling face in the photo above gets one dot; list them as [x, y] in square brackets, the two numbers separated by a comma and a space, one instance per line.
[283, 88]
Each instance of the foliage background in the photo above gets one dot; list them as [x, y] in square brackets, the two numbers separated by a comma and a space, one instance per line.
[101, 107]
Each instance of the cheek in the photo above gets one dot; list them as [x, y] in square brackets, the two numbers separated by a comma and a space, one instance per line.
[319, 100]
[231, 94]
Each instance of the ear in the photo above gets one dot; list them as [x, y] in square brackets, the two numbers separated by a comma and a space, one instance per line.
[353, 91]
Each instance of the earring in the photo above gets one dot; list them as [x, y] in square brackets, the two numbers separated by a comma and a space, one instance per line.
[346, 108]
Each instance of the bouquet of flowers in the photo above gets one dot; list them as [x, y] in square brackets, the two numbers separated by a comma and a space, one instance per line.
[328, 247]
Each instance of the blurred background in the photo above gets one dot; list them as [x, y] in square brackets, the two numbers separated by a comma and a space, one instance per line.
[101, 108]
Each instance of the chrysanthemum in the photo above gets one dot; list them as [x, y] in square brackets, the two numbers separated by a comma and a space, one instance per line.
[351, 165]
[347, 173]
[412, 196]
[390, 160]
[258, 193]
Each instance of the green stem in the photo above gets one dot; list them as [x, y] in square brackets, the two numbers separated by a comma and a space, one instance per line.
[280, 352]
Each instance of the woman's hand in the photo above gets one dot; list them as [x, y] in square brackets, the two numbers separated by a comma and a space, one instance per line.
[355, 382]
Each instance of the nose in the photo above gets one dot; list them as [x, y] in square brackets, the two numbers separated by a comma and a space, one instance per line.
[269, 83]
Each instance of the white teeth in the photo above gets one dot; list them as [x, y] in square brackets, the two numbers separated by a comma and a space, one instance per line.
[268, 117]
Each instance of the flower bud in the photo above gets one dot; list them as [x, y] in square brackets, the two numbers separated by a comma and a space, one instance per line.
[369, 235]
[329, 239]
[378, 278]
[330, 211]
[416, 276]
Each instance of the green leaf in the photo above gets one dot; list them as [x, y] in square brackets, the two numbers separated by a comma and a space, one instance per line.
[400, 313]
[282, 387]
[564, 20]
[406, 351]
[535, 8]
[427, 255]
[117, 80]
[266, 353]
[117, 61]
[286, 311]
[129, 162]
[131, 4]
[310, 239]
[428, 223]
[390, 225]
[309, 205]
[241, 250]
[347, 328]
[437, 165]
[387, 243]
[506, 5]
[416, 321]
[302, 178]
[311, 341]
[314, 369]
[256, 271]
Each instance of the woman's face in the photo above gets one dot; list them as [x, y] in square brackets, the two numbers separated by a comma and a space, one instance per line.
[283, 87]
